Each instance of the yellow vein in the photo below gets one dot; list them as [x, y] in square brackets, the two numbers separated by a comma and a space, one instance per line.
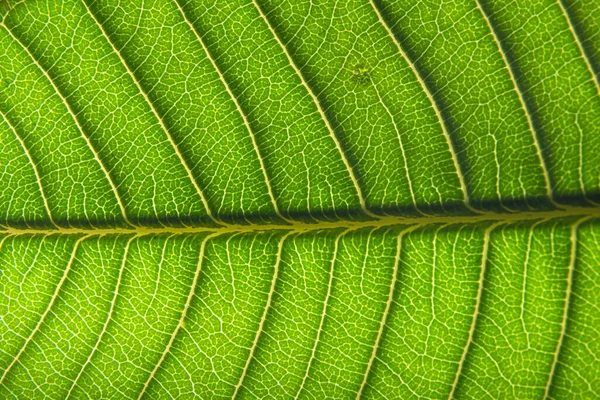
[156, 115]
[565, 317]
[595, 81]
[158, 277]
[108, 318]
[586, 59]
[565, 212]
[461, 178]
[77, 123]
[525, 274]
[34, 167]
[386, 312]
[523, 103]
[180, 323]
[484, 259]
[263, 317]
[317, 103]
[239, 109]
[580, 166]
[364, 263]
[433, 271]
[4, 239]
[47, 310]
[498, 171]
[323, 313]
[404, 161]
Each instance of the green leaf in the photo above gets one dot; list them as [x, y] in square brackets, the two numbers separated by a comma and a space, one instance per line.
[259, 198]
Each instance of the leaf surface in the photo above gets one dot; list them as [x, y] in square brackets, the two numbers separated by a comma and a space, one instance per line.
[378, 199]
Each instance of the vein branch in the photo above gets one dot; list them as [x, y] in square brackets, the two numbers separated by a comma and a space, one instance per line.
[182, 318]
[568, 295]
[77, 123]
[435, 106]
[482, 273]
[322, 113]
[401, 145]
[156, 115]
[238, 107]
[34, 167]
[47, 310]
[263, 317]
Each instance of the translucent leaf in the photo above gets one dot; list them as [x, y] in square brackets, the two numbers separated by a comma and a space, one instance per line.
[276, 199]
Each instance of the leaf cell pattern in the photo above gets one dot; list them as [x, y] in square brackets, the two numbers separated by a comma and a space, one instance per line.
[307, 199]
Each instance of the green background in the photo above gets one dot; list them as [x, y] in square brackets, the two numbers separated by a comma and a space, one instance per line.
[314, 199]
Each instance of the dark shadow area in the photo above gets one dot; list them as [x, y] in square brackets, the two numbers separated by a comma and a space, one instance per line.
[531, 106]
[583, 38]
[458, 145]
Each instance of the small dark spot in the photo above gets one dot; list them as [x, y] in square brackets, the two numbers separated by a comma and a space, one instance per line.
[362, 74]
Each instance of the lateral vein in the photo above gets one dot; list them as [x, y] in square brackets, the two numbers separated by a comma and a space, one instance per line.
[77, 124]
[386, 311]
[484, 260]
[106, 322]
[568, 293]
[263, 317]
[445, 131]
[156, 115]
[238, 108]
[586, 58]
[46, 311]
[524, 106]
[180, 323]
[323, 314]
[34, 167]
[324, 117]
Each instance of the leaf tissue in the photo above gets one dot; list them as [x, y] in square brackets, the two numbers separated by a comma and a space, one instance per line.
[300, 199]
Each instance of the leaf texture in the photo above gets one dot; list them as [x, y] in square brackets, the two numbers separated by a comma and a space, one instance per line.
[299, 199]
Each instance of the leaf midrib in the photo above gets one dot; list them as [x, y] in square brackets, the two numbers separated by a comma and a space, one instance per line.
[298, 226]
